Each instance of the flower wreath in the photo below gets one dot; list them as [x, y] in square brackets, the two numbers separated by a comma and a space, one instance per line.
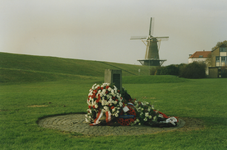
[128, 117]
[105, 99]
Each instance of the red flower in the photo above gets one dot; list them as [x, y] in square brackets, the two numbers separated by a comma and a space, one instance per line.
[106, 92]
[118, 91]
[112, 107]
[89, 107]
[94, 106]
[99, 97]
[113, 97]
[107, 87]
[101, 88]
[97, 100]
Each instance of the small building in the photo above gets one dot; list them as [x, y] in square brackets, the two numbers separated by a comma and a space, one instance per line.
[218, 68]
[200, 56]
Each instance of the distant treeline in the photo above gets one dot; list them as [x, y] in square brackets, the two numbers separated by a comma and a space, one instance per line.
[193, 70]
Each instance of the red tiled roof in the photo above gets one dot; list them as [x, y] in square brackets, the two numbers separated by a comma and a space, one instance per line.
[200, 53]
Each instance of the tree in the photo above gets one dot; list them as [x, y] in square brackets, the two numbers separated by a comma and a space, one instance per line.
[209, 59]
[224, 43]
[193, 70]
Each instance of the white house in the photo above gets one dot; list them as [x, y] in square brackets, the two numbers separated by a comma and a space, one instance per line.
[199, 56]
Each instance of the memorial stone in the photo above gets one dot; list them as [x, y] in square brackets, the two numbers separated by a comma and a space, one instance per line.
[113, 77]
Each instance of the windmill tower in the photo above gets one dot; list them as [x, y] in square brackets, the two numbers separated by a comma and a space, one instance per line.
[152, 49]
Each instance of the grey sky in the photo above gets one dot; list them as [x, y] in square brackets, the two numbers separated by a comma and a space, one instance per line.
[101, 29]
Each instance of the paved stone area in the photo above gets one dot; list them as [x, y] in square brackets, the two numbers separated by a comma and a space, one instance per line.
[76, 123]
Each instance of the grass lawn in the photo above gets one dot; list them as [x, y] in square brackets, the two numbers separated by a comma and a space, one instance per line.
[204, 99]
[62, 85]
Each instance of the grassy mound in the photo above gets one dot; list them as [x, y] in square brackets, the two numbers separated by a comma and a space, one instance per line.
[28, 68]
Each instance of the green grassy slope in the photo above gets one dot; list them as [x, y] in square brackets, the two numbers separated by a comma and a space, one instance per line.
[28, 68]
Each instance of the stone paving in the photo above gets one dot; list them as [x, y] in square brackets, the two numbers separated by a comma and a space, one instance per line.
[76, 123]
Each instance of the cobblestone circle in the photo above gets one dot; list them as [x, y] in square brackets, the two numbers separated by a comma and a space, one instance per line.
[76, 123]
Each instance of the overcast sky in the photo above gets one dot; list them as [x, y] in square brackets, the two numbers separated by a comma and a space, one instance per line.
[101, 29]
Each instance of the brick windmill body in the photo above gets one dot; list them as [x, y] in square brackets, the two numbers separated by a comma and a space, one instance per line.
[152, 49]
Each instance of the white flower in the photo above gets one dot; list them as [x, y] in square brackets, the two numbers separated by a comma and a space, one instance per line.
[103, 102]
[90, 93]
[139, 124]
[101, 94]
[96, 106]
[109, 89]
[160, 115]
[154, 118]
[86, 116]
[106, 108]
[150, 117]
[137, 120]
[116, 115]
[146, 114]
[87, 120]
[93, 87]
[141, 113]
[149, 109]
[97, 86]
[145, 119]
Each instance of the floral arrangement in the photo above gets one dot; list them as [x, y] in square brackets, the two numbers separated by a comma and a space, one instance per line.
[103, 99]
[146, 113]
[112, 104]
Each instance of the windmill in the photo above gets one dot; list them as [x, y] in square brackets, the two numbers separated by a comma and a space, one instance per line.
[152, 49]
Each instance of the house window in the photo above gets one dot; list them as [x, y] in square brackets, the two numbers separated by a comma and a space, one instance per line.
[223, 49]
[222, 59]
[200, 56]
[217, 58]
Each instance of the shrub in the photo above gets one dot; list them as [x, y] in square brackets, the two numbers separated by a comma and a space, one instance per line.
[224, 72]
[168, 70]
[193, 70]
